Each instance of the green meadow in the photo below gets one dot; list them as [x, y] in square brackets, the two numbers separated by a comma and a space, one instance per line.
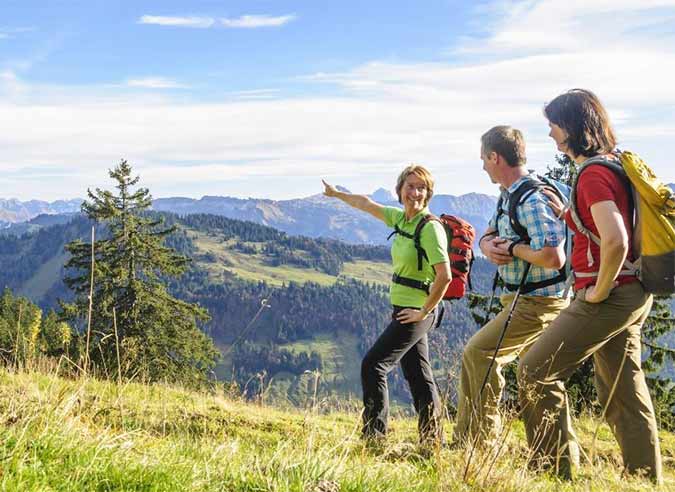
[87, 435]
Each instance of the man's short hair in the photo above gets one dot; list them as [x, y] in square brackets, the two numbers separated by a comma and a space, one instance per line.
[507, 142]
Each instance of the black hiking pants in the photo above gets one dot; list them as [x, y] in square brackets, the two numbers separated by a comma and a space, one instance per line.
[408, 344]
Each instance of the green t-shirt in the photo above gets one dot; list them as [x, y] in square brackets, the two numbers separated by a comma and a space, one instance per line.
[404, 255]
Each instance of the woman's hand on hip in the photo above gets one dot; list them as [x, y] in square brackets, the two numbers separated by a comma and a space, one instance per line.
[595, 296]
[410, 315]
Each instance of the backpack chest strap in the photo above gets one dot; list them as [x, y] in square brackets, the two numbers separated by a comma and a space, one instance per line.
[411, 282]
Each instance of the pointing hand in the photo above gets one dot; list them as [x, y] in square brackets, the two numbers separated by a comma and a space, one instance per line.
[329, 189]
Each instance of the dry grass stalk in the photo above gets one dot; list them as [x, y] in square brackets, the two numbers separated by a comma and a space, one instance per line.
[117, 348]
[18, 336]
[91, 304]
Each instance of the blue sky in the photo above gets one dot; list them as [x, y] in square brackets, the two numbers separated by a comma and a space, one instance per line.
[263, 98]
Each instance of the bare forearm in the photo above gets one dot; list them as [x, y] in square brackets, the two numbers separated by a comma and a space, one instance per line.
[356, 201]
[547, 257]
[613, 244]
[361, 202]
[612, 256]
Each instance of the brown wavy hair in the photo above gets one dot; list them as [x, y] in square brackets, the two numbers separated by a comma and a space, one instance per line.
[581, 114]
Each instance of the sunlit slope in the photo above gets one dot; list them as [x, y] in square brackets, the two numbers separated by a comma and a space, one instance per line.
[219, 257]
[86, 435]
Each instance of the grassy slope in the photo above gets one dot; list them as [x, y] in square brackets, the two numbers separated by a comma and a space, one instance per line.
[88, 435]
[253, 267]
[46, 275]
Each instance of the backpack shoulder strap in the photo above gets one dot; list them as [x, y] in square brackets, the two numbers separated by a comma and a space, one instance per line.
[500, 211]
[517, 198]
[398, 230]
[574, 210]
[617, 168]
[421, 254]
[415, 236]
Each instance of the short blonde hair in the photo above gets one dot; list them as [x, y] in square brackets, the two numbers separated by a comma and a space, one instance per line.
[422, 173]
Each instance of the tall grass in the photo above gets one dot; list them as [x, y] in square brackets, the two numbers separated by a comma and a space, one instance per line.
[83, 434]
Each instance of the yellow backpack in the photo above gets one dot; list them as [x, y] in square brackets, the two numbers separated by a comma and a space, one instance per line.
[654, 222]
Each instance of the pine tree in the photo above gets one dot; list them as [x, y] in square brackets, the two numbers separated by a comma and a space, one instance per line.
[24, 333]
[659, 326]
[155, 334]
[563, 170]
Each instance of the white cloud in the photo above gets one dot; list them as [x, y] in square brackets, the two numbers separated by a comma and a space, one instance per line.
[545, 26]
[10, 85]
[253, 21]
[155, 83]
[245, 21]
[386, 116]
[195, 22]
[256, 94]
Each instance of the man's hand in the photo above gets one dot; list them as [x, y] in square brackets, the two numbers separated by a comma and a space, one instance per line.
[494, 250]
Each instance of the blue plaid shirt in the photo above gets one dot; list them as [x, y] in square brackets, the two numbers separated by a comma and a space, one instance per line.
[543, 228]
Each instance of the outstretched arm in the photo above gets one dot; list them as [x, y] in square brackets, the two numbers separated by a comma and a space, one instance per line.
[362, 202]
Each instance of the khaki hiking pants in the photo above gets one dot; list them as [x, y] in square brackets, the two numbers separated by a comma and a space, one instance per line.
[479, 414]
[610, 332]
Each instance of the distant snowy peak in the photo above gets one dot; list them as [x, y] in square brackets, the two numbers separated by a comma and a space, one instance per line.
[13, 210]
[382, 195]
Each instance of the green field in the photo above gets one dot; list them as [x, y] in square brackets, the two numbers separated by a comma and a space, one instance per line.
[217, 256]
[87, 435]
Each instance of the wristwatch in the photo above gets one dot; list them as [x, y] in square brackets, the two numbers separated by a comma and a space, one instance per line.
[512, 246]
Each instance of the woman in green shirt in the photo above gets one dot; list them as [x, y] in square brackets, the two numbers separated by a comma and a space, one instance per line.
[415, 311]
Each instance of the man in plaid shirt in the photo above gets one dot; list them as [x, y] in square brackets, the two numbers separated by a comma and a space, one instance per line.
[503, 156]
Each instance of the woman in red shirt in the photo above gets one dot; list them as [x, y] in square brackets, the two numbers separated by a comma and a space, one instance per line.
[604, 319]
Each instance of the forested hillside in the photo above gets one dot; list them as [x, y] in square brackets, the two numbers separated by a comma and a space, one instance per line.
[327, 300]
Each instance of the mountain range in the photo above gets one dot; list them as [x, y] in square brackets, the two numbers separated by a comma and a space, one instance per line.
[14, 211]
[313, 216]
[320, 216]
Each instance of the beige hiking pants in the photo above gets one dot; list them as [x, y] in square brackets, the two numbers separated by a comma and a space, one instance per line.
[479, 414]
[610, 332]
